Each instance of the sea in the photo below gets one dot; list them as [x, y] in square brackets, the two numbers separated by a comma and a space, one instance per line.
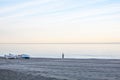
[81, 51]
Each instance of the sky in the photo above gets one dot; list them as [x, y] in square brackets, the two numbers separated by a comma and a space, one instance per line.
[59, 21]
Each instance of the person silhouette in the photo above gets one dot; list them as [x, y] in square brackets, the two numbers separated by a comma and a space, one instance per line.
[62, 55]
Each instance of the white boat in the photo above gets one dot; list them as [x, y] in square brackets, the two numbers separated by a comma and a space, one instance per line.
[21, 56]
[10, 56]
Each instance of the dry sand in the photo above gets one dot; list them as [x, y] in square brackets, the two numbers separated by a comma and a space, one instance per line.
[14, 75]
[58, 69]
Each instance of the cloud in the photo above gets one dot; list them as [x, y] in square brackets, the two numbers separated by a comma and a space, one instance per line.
[56, 6]
[23, 5]
[60, 18]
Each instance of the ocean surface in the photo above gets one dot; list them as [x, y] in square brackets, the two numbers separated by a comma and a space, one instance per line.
[108, 51]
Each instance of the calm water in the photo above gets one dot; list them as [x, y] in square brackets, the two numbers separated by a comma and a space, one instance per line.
[70, 50]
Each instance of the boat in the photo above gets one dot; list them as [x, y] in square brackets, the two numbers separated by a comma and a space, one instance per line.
[10, 56]
[21, 56]
[25, 56]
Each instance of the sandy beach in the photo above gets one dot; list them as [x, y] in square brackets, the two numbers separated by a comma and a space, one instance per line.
[14, 75]
[58, 69]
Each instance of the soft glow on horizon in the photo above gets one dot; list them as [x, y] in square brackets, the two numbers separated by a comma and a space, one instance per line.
[59, 21]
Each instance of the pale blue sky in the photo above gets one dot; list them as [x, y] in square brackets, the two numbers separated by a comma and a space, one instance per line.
[59, 21]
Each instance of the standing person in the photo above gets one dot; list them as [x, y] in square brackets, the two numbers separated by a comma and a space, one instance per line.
[62, 55]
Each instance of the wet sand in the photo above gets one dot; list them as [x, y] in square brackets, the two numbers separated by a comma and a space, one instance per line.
[58, 69]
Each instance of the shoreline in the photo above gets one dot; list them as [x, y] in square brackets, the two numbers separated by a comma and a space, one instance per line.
[68, 58]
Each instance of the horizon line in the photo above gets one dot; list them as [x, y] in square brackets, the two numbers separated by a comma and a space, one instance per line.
[69, 43]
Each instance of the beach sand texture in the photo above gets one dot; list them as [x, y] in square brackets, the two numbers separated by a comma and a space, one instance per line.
[58, 69]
